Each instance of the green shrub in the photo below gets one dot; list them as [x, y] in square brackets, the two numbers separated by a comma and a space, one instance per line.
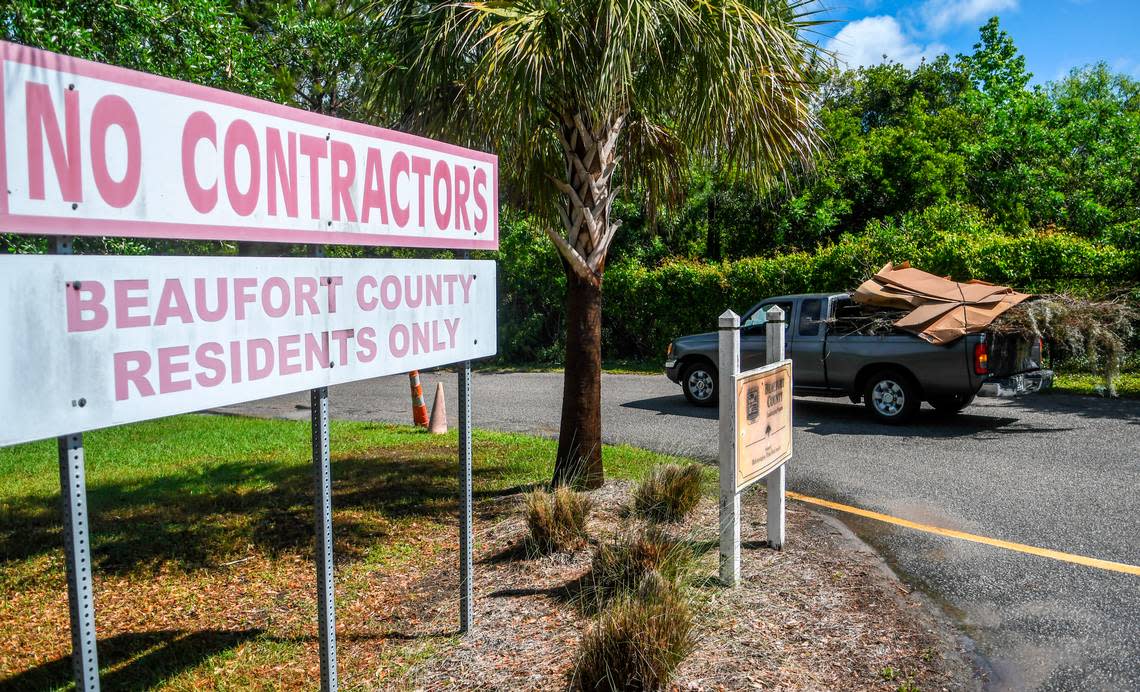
[639, 641]
[669, 493]
[646, 306]
[556, 521]
[621, 565]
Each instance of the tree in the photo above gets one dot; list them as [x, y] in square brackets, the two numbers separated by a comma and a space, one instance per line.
[995, 67]
[584, 98]
[305, 53]
[200, 41]
[316, 48]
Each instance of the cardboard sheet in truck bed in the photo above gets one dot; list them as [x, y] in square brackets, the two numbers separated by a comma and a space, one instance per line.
[941, 310]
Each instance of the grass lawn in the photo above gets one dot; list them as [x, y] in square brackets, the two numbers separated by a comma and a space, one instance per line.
[202, 545]
[1127, 385]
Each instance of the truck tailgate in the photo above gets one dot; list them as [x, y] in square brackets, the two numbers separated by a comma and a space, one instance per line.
[1015, 366]
[1012, 354]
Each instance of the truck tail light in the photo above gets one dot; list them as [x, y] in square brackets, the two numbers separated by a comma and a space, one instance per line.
[981, 359]
[669, 351]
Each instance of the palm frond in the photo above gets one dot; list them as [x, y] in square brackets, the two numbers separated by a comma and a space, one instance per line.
[726, 79]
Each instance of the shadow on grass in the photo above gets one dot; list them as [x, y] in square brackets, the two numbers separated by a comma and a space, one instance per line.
[141, 660]
[204, 516]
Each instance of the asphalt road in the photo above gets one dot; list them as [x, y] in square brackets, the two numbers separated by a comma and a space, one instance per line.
[1050, 471]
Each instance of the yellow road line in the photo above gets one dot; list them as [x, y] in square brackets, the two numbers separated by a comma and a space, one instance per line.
[997, 543]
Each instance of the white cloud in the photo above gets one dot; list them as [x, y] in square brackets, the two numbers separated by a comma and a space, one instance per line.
[941, 15]
[865, 42]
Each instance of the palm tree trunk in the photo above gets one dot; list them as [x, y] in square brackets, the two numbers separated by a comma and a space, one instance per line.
[579, 460]
[590, 160]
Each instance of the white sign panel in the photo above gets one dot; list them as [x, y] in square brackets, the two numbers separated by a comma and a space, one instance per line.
[91, 149]
[90, 342]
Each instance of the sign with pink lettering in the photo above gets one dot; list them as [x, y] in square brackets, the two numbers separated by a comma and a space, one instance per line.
[90, 342]
[91, 149]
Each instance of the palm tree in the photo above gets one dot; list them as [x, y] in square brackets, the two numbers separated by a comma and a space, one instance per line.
[581, 98]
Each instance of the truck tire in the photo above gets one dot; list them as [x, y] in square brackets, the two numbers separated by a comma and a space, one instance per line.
[699, 382]
[891, 397]
[950, 404]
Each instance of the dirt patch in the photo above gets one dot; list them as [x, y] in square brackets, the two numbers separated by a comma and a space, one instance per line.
[824, 613]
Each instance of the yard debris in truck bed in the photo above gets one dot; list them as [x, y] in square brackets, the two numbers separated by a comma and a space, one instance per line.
[935, 308]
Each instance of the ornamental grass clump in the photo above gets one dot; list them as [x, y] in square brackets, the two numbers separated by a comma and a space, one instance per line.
[556, 521]
[638, 641]
[622, 564]
[669, 493]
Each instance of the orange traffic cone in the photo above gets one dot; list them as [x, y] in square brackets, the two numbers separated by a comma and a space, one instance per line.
[419, 409]
[438, 424]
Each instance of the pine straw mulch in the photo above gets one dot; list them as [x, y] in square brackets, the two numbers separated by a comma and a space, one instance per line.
[824, 613]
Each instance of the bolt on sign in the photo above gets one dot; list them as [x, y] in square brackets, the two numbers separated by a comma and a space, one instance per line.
[91, 149]
[763, 421]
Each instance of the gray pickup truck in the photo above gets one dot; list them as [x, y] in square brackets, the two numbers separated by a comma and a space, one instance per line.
[892, 373]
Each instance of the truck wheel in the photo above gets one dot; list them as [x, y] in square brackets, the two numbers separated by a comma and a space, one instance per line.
[891, 397]
[951, 403]
[699, 382]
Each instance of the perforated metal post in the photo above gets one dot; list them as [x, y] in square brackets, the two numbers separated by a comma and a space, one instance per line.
[774, 481]
[77, 545]
[729, 365]
[466, 607]
[80, 591]
[466, 590]
[322, 473]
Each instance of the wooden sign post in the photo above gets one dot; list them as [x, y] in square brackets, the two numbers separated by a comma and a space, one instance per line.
[755, 434]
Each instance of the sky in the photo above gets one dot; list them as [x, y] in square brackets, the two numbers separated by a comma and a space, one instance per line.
[1053, 35]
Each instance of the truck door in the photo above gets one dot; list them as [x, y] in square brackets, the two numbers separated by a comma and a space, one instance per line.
[805, 347]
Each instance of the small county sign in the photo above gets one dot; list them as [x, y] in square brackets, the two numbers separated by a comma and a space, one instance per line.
[91, 149]
[763, 421]
[102, 341]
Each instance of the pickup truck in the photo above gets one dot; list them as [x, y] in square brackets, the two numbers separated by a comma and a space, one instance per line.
[892, 372]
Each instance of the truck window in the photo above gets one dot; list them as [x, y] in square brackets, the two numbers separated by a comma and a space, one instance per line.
[809, 317]
[755, 322]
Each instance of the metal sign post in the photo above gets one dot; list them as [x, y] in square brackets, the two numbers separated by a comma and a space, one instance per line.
[77, 545]
[322, 508]
[80, 590]
[729, 499]
[322, 473]
[466, 618]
